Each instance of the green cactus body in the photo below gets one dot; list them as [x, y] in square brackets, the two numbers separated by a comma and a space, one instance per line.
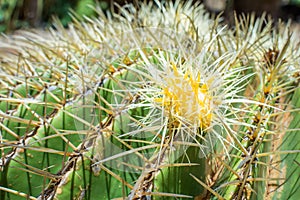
[162, 102]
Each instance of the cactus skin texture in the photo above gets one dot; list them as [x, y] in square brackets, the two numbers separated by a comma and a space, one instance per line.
[162, 102]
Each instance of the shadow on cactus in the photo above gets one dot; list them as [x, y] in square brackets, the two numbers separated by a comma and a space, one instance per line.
[157, 103]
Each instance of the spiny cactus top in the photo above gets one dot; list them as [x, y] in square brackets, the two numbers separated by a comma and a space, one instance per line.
[156, 102]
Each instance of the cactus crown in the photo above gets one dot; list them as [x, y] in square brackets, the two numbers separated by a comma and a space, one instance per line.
[155, 102]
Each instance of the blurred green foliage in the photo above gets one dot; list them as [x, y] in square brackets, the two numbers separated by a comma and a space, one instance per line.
[16, 14]
[295, 2]
[6, 13]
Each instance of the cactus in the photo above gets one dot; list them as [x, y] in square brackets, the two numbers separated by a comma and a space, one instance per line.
[163, 102]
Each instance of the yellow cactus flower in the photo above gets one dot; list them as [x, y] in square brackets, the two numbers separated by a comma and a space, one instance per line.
[186, 98]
